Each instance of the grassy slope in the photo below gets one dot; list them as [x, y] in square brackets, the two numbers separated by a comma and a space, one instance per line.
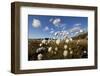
[76, 48]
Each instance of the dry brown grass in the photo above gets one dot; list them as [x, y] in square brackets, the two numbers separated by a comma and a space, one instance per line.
[76, 47]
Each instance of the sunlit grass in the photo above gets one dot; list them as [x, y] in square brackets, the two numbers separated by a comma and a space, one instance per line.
[57, 49]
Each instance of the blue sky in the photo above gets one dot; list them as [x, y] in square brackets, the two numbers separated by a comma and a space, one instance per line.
[41, 26]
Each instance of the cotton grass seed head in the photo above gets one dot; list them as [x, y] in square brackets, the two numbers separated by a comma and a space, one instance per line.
[58, 41]
[49, 49]
[71, 52]
[44, 41]
[84, 51]
[40, 44]
[65, 46]
[67, 40]
[78, 41]
[70, 39]
[49, 41]
[69, 48]
[39, 56]
[65, 53]
[55, 52]
[40, 49]
[56, 49]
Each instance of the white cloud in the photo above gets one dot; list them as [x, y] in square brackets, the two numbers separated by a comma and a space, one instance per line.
[52, 29]
[81, 30]
[77, 24]
[76, 28]
[56, 21]
[46, 28]
[36, 23]
[51, 20]
[51, 32]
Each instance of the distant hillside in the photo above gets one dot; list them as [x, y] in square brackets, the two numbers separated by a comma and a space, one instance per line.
[81, 36]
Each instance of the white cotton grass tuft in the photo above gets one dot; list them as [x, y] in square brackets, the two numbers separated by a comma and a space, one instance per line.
[55, 52]
[58, 41]
[56, 49]
[71, 52]
[65, 53]
[65, 47]
[84, 51]
[39, 56]
[44, 41]
[69, 48]
[78, 41]
[49, 41]
[40, 49]
[65, 36]
[70, 39]
[56, 33]
[49, 49]
[67, 40]
[40, 44]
